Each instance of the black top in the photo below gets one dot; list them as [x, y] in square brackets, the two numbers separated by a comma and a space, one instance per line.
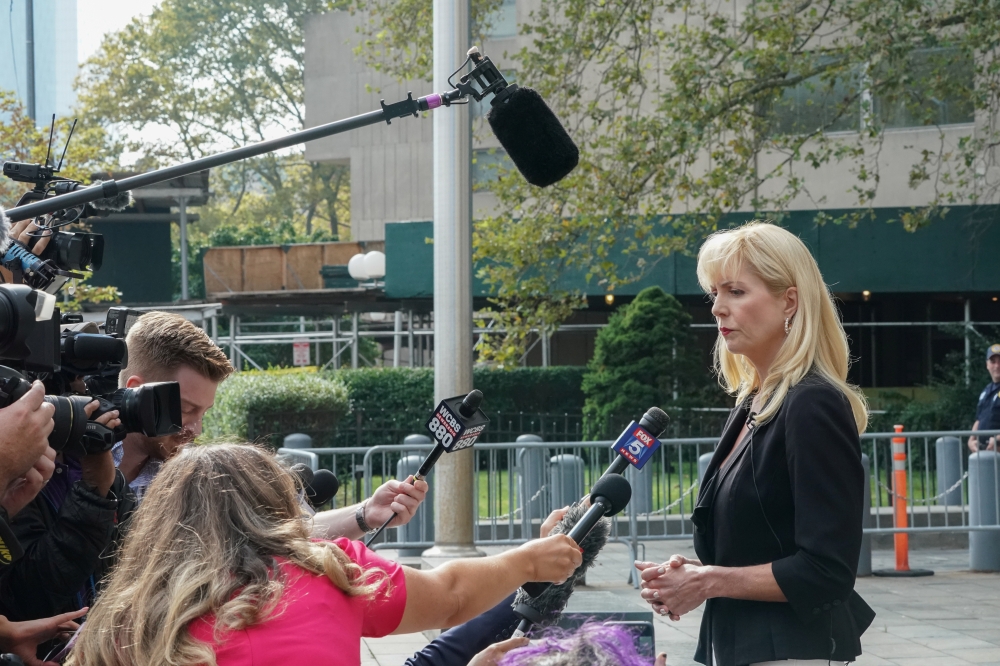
[792, 495]
[988, 410]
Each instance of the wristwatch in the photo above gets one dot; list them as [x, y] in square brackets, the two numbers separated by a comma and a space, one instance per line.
[359, 515]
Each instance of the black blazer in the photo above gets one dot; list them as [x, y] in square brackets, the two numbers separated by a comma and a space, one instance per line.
[791, 495]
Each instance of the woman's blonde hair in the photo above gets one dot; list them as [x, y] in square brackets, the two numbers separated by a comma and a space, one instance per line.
[204, 541]
[816, 339]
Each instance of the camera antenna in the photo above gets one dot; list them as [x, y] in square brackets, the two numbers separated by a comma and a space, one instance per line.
[71, 128]
[52, 130]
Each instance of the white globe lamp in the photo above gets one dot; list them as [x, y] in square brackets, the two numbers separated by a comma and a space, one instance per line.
[375, 265]
[356, 268]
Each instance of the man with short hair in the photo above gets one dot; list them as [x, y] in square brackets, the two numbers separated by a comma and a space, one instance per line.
[988, 409]
[166, 347]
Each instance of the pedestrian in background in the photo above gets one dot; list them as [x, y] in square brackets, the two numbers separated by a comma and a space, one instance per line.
[988, 409]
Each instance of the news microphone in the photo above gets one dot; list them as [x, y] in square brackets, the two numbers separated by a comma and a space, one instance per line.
[609, 496]
[533, 137]
[639, 441]
[545, 608]
[319, 486]
[456, 424]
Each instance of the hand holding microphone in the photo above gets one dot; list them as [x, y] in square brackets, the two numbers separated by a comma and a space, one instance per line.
[455, 425]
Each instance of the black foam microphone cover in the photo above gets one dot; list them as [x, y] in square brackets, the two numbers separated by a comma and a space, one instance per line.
[533, 137]
[655, 420]
[324, 487]
[545, 608]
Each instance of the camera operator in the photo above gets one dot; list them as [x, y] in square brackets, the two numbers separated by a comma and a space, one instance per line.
[166, 347]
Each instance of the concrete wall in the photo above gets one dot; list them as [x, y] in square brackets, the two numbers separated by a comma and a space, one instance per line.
[391, 167]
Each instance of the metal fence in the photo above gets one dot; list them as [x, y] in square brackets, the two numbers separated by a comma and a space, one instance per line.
[518, 483]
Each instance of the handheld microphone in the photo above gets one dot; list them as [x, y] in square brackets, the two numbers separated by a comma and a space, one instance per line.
[319, 486]
[609, 496]
[455, 425]
[639, 441]
[545, 608]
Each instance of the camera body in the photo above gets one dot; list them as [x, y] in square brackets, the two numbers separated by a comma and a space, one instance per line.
[33, 344]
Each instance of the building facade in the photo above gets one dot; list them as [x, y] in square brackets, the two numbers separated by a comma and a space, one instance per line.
[55, 54]
[908, 300]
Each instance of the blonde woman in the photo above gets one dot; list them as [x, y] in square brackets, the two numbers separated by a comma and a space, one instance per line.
[779, 514]
[218, 568]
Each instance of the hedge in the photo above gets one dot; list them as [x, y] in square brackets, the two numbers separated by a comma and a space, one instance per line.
[553, 390]
[252, 397]
[277, 402]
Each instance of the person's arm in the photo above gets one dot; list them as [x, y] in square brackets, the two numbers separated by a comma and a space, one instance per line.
[60, 556]
[24, 430]
[23, 638]
[20, 493]
[459, 645]
[462, 589]
[974, 439]
[399, 497]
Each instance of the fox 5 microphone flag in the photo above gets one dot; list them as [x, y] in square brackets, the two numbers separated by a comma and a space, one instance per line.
[636, 445]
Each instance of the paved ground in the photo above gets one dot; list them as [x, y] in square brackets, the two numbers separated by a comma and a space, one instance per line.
[949, 619]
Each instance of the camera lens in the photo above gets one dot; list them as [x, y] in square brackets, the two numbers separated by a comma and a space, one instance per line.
[153, 409]
[70, 420]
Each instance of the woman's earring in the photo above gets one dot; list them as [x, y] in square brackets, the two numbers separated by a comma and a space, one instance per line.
[787, 327]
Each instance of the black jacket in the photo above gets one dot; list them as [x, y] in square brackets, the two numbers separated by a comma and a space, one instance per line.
[64, 552]
[792, 496]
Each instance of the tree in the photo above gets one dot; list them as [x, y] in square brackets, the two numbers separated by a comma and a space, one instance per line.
[91, 150]
[686, 112]
[195, 78]
[645, 356]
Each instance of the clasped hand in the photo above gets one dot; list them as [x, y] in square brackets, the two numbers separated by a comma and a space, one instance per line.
[673, 588]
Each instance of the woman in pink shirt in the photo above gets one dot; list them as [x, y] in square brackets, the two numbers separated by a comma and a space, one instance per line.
[218, 568]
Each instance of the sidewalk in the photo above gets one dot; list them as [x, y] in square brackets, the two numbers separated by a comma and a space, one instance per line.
[949, 619]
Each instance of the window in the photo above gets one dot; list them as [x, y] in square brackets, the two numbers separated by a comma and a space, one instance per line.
[834, 105]
[937, 90]
[486, 166]
[503, 22]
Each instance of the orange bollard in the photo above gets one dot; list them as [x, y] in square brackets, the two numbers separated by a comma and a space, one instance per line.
[899, 490]
[902, 539]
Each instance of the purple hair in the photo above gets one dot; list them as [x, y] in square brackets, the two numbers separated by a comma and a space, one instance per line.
[592, 644]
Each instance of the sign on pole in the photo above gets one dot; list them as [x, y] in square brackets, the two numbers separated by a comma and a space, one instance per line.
[300, 352]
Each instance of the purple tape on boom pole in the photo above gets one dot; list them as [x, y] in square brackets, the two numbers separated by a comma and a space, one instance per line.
[433, 101]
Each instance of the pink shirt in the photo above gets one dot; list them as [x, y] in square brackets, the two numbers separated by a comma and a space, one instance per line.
[314, 623]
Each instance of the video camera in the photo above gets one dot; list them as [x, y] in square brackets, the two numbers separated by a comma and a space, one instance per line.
[31, 339]
[67, 252]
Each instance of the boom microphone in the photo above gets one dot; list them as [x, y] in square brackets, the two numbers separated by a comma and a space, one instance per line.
[639, 441]
[609, 496]
[533, 137]
[544, 609]
[455, 425]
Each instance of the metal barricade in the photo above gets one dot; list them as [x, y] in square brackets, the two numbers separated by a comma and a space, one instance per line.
[670, 486]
